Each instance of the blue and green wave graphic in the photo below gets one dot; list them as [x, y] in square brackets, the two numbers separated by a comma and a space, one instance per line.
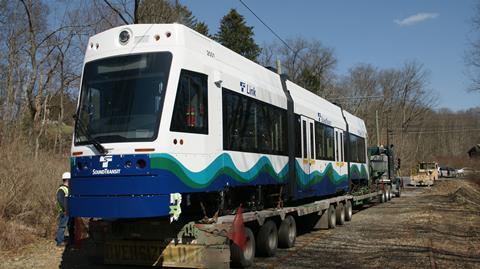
[224, 165]
[315, 177]
[358, 173]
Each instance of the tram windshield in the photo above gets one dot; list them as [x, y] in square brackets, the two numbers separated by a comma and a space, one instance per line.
[122, 98]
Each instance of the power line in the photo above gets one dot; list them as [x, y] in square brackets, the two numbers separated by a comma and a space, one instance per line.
[437, 131]
[358, 97]
[268, 27]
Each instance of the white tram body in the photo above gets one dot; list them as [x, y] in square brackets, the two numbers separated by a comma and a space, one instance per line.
[181, 115]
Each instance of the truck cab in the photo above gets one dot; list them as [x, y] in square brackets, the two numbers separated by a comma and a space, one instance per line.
[425, 174]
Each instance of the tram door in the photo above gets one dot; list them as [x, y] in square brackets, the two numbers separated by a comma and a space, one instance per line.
[340, 151]
[308, 146]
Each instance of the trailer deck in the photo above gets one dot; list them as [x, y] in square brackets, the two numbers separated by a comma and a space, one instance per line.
[202, 244]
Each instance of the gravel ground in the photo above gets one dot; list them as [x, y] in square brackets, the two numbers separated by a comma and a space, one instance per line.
[436, 227]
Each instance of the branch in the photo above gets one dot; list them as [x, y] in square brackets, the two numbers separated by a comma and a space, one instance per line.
[58, 30]
[125, 10]
[116, 11]
[135, 12]
[30, 24]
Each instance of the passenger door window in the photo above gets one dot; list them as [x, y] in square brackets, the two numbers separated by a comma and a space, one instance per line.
[308, 145]
[190, 112]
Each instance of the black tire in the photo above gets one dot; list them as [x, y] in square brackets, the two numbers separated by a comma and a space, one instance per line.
[383, 197]
[243, 258]
[348, 211]
[389, 194]
[340, 214]
[332, 218]
[267, 239]
[287, 234]
[95, 251]
[399, 192]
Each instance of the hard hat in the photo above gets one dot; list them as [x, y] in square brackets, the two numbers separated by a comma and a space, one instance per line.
[66, 175]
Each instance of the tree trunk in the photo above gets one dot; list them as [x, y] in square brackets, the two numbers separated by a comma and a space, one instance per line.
[42, 127]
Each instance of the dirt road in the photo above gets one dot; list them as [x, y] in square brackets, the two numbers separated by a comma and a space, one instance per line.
[436, 227]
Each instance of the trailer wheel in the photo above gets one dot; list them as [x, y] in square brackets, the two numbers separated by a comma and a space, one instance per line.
[383, 197]
[244, 258]
[267, 239]
[340, 214]
[332, 219]
[389, 194]
[348, 211]
[287, 234]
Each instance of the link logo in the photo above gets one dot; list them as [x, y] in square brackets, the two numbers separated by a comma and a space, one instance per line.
[323, 119]
[105, 160]
[248, 89]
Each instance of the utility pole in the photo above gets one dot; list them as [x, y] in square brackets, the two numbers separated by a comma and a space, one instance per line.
[378, 131]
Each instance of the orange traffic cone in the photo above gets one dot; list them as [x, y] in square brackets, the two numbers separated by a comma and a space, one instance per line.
[237, 234]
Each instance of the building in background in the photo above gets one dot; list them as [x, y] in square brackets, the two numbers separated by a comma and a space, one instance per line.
[474, 152]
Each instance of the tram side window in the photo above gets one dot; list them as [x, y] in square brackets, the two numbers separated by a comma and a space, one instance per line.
[271, 123]
[253, 126]
[353, 148]
[320, 141]
[190, 112]
[357, 149]
[329, 141]
[298, 137]
[361, 151]
[324, 142]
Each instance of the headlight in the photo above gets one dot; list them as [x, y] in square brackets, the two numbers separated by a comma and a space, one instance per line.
[123, 37]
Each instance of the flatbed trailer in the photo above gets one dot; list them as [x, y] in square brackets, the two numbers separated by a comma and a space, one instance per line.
[151, 160]
[207, 244]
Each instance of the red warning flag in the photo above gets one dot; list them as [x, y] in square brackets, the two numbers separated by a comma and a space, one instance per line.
[237, 234]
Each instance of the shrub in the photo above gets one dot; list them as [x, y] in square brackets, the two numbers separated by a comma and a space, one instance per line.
[27, 199]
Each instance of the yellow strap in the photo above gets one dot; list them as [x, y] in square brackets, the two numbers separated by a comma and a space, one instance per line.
[64, 189]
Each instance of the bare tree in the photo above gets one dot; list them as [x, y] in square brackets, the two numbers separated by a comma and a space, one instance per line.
[359, 87]
[306, 62]
[472, 55]
[400, 96]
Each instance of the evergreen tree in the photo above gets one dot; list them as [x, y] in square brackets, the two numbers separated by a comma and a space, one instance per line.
[164, 11]
[237, 36]
[202, 28]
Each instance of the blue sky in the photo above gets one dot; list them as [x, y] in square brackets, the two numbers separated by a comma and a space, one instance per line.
[383, 33]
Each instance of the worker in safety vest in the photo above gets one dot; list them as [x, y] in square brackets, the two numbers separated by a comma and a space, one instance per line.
[63, 219]
[190, 116]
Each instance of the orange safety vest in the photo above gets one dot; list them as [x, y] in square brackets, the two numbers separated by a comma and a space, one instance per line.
[190, 116]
